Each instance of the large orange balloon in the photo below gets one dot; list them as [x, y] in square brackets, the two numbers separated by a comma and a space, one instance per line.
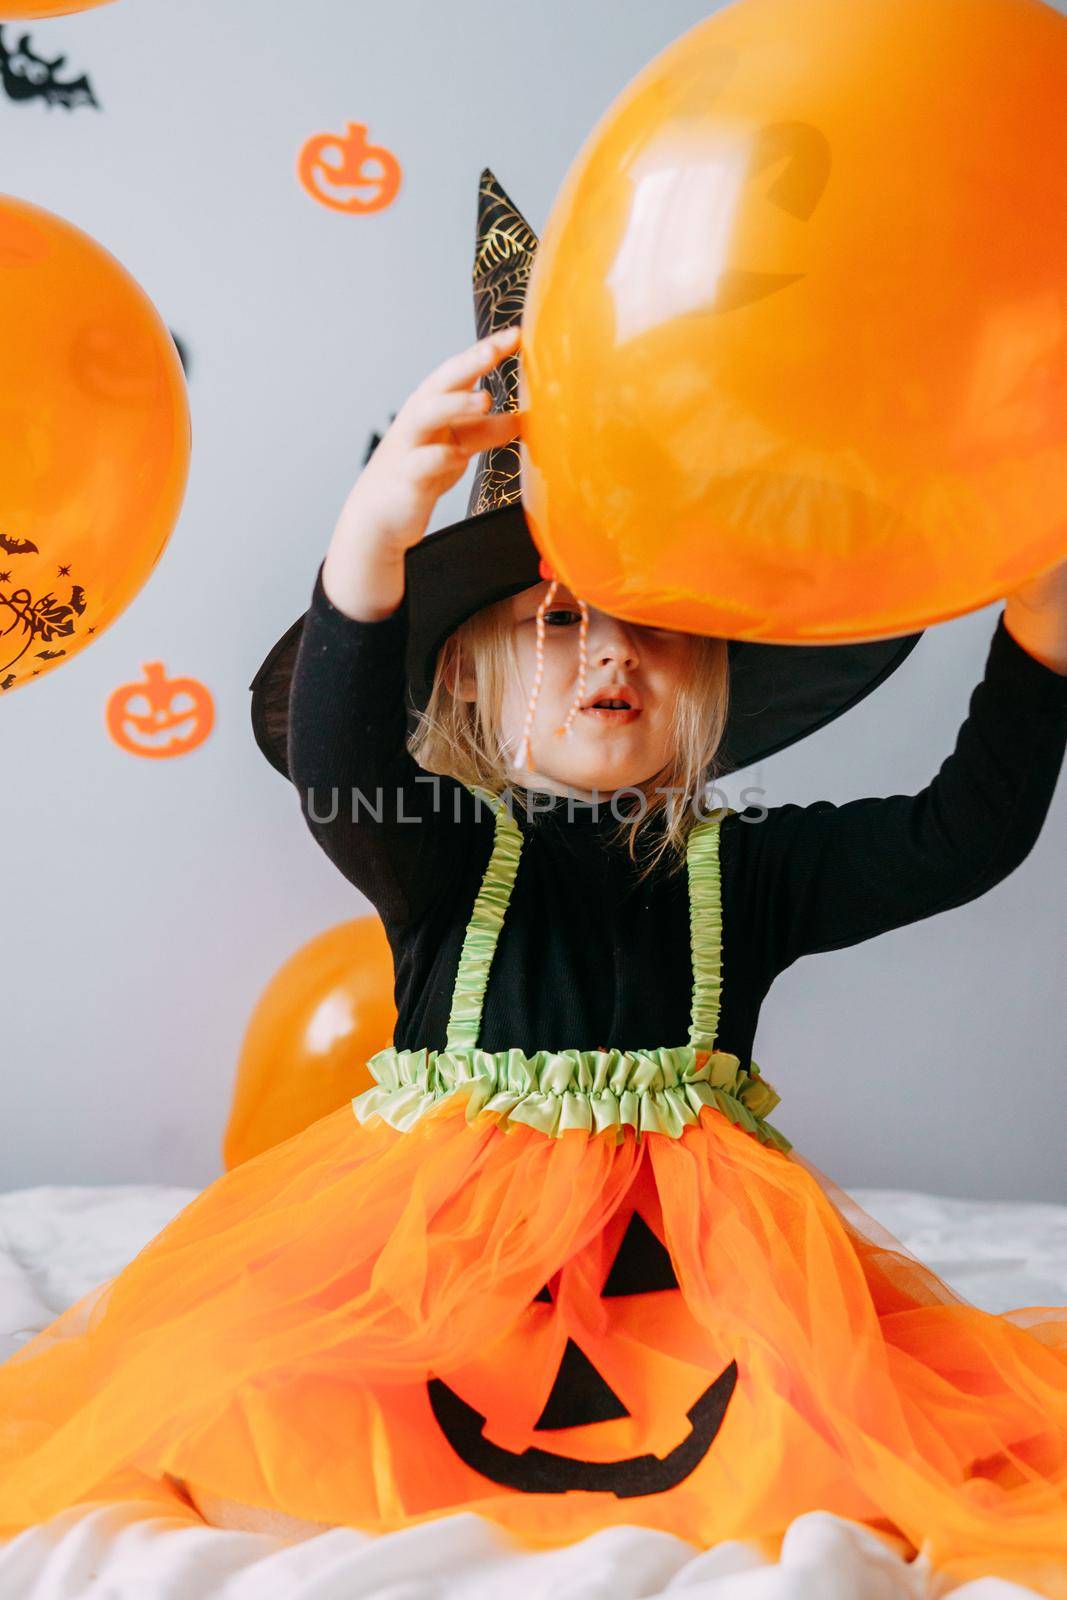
[94, 440]
[16, 10]
[795, 347]
[325, 1012]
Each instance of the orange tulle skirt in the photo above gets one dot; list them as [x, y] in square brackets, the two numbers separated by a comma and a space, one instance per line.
[371, 1327]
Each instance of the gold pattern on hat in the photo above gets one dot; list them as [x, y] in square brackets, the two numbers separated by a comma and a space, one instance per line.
[503, 258]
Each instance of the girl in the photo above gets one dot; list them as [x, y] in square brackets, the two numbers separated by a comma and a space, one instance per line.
[557, 1266]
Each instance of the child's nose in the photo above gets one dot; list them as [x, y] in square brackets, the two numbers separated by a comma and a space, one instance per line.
[612, 640]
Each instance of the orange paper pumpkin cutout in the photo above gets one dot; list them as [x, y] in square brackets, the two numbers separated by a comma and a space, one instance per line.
[795, 340]
[342, 183]
[160, 716]
[326, 1011]
[94, 442]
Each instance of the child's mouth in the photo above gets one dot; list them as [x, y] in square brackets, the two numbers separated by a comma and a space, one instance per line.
[605, 714]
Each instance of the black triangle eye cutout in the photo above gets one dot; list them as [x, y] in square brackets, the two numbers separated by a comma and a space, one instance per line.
[642, 1264]
[579, 1395]
[543, 1294]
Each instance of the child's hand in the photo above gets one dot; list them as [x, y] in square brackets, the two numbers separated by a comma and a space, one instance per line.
[1035, 614]
[424, 452]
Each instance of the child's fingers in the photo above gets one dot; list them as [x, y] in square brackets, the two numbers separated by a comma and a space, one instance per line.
[431, 412]
[463, 418]
[486, 432]
[503, 425]
[460, 371]
[450, 455]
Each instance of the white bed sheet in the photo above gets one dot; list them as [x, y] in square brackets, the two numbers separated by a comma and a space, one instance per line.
[57, 1242]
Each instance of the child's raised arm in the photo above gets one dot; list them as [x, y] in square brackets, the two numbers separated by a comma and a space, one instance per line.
[823, 876]
[398, 839]
[424, 452]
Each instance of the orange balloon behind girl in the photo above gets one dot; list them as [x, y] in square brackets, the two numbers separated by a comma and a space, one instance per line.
[325, 1012]
[94, 440]
[17, 10]
[795, 346]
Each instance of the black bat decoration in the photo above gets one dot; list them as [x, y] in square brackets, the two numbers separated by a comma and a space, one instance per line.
[17, 547]
[25, 75]
[183, 354]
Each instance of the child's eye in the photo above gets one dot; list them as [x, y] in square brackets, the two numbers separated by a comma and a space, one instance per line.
[562, 612]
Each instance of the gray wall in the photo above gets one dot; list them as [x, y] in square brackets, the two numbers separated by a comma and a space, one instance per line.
[146, 904]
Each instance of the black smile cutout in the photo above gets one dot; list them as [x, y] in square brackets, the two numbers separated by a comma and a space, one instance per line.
[580, 1395]
[540, 1472]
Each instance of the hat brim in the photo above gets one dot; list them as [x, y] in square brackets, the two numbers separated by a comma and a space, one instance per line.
[779, 693]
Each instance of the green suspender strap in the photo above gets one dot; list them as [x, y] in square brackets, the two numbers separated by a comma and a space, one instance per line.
[660, 1090]
[742, 1094]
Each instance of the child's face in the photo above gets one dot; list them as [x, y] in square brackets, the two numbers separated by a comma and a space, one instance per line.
[601, 750]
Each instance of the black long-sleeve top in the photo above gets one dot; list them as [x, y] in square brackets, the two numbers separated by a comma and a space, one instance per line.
[588, 957]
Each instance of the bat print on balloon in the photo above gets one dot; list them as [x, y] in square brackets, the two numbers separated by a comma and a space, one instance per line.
[24, 75]
[539, 1374]
[28, 620]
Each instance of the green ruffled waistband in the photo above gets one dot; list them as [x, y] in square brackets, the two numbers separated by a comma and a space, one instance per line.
[652, 1091]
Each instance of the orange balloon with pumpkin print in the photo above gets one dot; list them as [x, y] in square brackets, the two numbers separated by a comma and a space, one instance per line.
[795, 341]
[325, 1012]
[160, 716]
[94, 440]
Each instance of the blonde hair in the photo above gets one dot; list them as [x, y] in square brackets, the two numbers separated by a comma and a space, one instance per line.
[463, 739]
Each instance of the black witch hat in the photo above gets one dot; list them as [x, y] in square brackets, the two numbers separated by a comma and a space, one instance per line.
[778, 693]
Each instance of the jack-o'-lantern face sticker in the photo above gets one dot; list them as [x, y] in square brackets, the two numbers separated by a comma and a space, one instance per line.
[160, 716]
[347, 173]
[757, 191]
[789, 166]
[601, 1361]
